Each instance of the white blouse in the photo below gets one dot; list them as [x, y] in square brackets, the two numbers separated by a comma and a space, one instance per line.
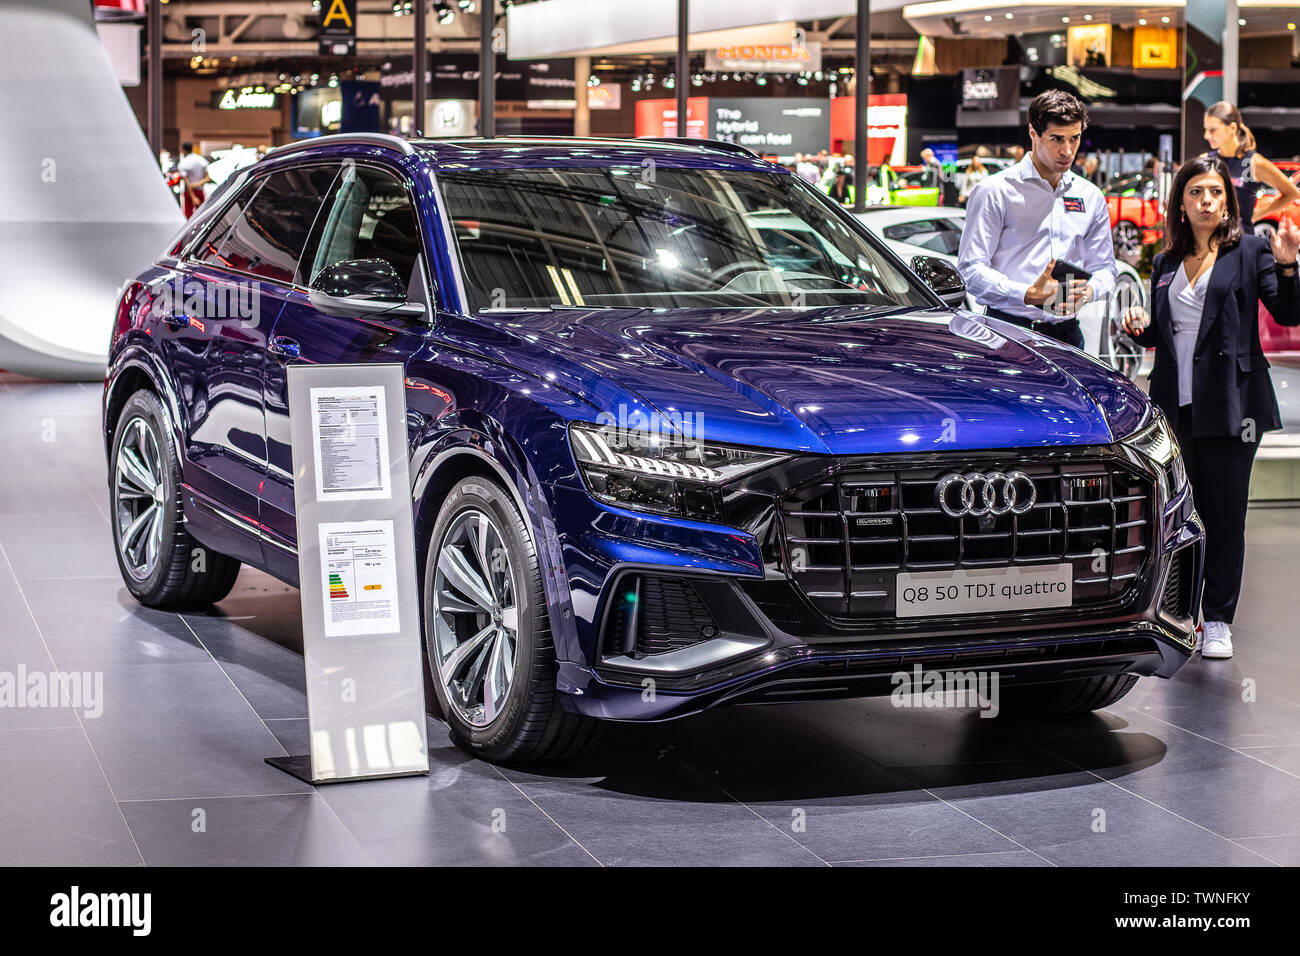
[1186, 303]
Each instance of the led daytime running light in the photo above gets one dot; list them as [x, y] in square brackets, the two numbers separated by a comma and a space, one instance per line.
[593, 448]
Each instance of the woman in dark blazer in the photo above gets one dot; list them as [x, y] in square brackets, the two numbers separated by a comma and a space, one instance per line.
[1210, 376]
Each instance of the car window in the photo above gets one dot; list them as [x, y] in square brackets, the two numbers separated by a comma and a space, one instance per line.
[267, 239]
[369, 216]
[208, 247]
[680, 238]
[937, 235]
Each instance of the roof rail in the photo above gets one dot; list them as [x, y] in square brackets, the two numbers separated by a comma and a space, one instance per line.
[344, 139]
[704, 144]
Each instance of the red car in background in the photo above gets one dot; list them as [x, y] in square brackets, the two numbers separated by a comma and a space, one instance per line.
[1278, 340]
[1135, 219]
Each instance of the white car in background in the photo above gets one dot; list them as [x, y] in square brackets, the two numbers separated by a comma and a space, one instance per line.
[225, 163]
[936, 231]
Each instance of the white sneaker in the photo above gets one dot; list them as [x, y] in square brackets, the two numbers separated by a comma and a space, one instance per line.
[1218, 640]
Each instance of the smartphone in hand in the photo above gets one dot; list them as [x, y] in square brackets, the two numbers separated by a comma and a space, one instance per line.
[1065, 271]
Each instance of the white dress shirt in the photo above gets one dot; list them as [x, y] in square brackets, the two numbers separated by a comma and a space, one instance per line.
[1186, 304]
[1016, 223]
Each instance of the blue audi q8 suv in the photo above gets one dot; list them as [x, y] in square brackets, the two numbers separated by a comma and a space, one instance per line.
[682, 433]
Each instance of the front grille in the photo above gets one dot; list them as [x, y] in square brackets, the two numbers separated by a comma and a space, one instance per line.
[1176, 600]
[654, 615]
[847, 537]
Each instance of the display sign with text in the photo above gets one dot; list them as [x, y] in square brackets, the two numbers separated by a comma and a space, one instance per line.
[356, 569]
[765, 58]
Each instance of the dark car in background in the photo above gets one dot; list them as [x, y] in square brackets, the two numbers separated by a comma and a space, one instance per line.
[681, 432]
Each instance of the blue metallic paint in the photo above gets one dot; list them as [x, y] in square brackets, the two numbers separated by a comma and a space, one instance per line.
[496, 391]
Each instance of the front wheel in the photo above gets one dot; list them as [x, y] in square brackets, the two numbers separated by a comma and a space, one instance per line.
[161, 564]
[488, 634]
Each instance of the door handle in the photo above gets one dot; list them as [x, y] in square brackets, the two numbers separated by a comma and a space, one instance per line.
[286, 350]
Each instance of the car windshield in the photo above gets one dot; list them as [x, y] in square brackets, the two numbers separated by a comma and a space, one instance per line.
[937, 235]
[1130, 186]
[652, 236]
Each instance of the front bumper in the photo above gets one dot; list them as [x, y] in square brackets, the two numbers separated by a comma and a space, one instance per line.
[770, 652]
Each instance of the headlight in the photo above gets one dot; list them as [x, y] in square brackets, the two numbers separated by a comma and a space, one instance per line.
[1157, 443]
[662, 473]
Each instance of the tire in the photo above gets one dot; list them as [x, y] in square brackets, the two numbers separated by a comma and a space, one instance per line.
[1265, 229]
[1127, 239]
[497, 693]
[1065, 698]
[161, 564]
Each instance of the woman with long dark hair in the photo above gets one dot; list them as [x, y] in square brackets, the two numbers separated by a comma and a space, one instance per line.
[1232, 141]
[1210, 376]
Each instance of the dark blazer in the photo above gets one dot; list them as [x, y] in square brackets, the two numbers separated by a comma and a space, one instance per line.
[1230, 382]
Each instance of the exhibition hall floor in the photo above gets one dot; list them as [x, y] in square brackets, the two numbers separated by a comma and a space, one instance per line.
[1199, 771]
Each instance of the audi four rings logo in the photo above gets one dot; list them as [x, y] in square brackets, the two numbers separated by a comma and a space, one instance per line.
[994, 493]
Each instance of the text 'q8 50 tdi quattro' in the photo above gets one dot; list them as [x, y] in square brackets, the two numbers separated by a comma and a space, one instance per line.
[682, 434]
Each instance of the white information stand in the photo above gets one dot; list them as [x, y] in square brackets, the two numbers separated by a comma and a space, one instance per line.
[357, 578]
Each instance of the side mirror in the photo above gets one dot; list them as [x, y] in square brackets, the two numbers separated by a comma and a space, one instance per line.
[361, 279]
[942, 277]
[357, 287]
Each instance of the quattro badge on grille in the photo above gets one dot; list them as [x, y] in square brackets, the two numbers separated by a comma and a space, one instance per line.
[991, 493]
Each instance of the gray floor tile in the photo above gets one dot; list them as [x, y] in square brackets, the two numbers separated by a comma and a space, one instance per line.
[252, 652]
[289, 830]
[631, 803]
[57, 808]
[95, 622]
[464, 812]
[183, 730]
[1004, 858]
[1282, 850]
[59, 545]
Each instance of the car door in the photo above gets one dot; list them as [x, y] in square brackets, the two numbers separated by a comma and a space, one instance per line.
[210, 339]
[368, 215]
[242, 272]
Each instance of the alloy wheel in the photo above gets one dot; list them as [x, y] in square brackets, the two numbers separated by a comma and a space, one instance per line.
[1117, 347]
[475, 617]
[1128, 241]
[139, 497]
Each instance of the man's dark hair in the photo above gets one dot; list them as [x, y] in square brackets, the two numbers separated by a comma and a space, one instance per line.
[1056, 106]
[186, 146]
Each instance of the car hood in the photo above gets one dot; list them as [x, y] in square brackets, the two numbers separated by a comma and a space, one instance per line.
[838, 381]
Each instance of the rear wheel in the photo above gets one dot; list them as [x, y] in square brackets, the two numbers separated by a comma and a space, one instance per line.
[161, 564]
[488, 634]
[1064, 698]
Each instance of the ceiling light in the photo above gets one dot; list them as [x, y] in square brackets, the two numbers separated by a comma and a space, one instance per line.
[1142, 22]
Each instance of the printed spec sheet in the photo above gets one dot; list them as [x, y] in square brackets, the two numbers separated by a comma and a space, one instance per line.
[350, 441]
[359, 574]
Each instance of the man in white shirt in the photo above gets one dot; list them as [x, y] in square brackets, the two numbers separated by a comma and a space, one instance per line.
[194, 169]
[1021, 221]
